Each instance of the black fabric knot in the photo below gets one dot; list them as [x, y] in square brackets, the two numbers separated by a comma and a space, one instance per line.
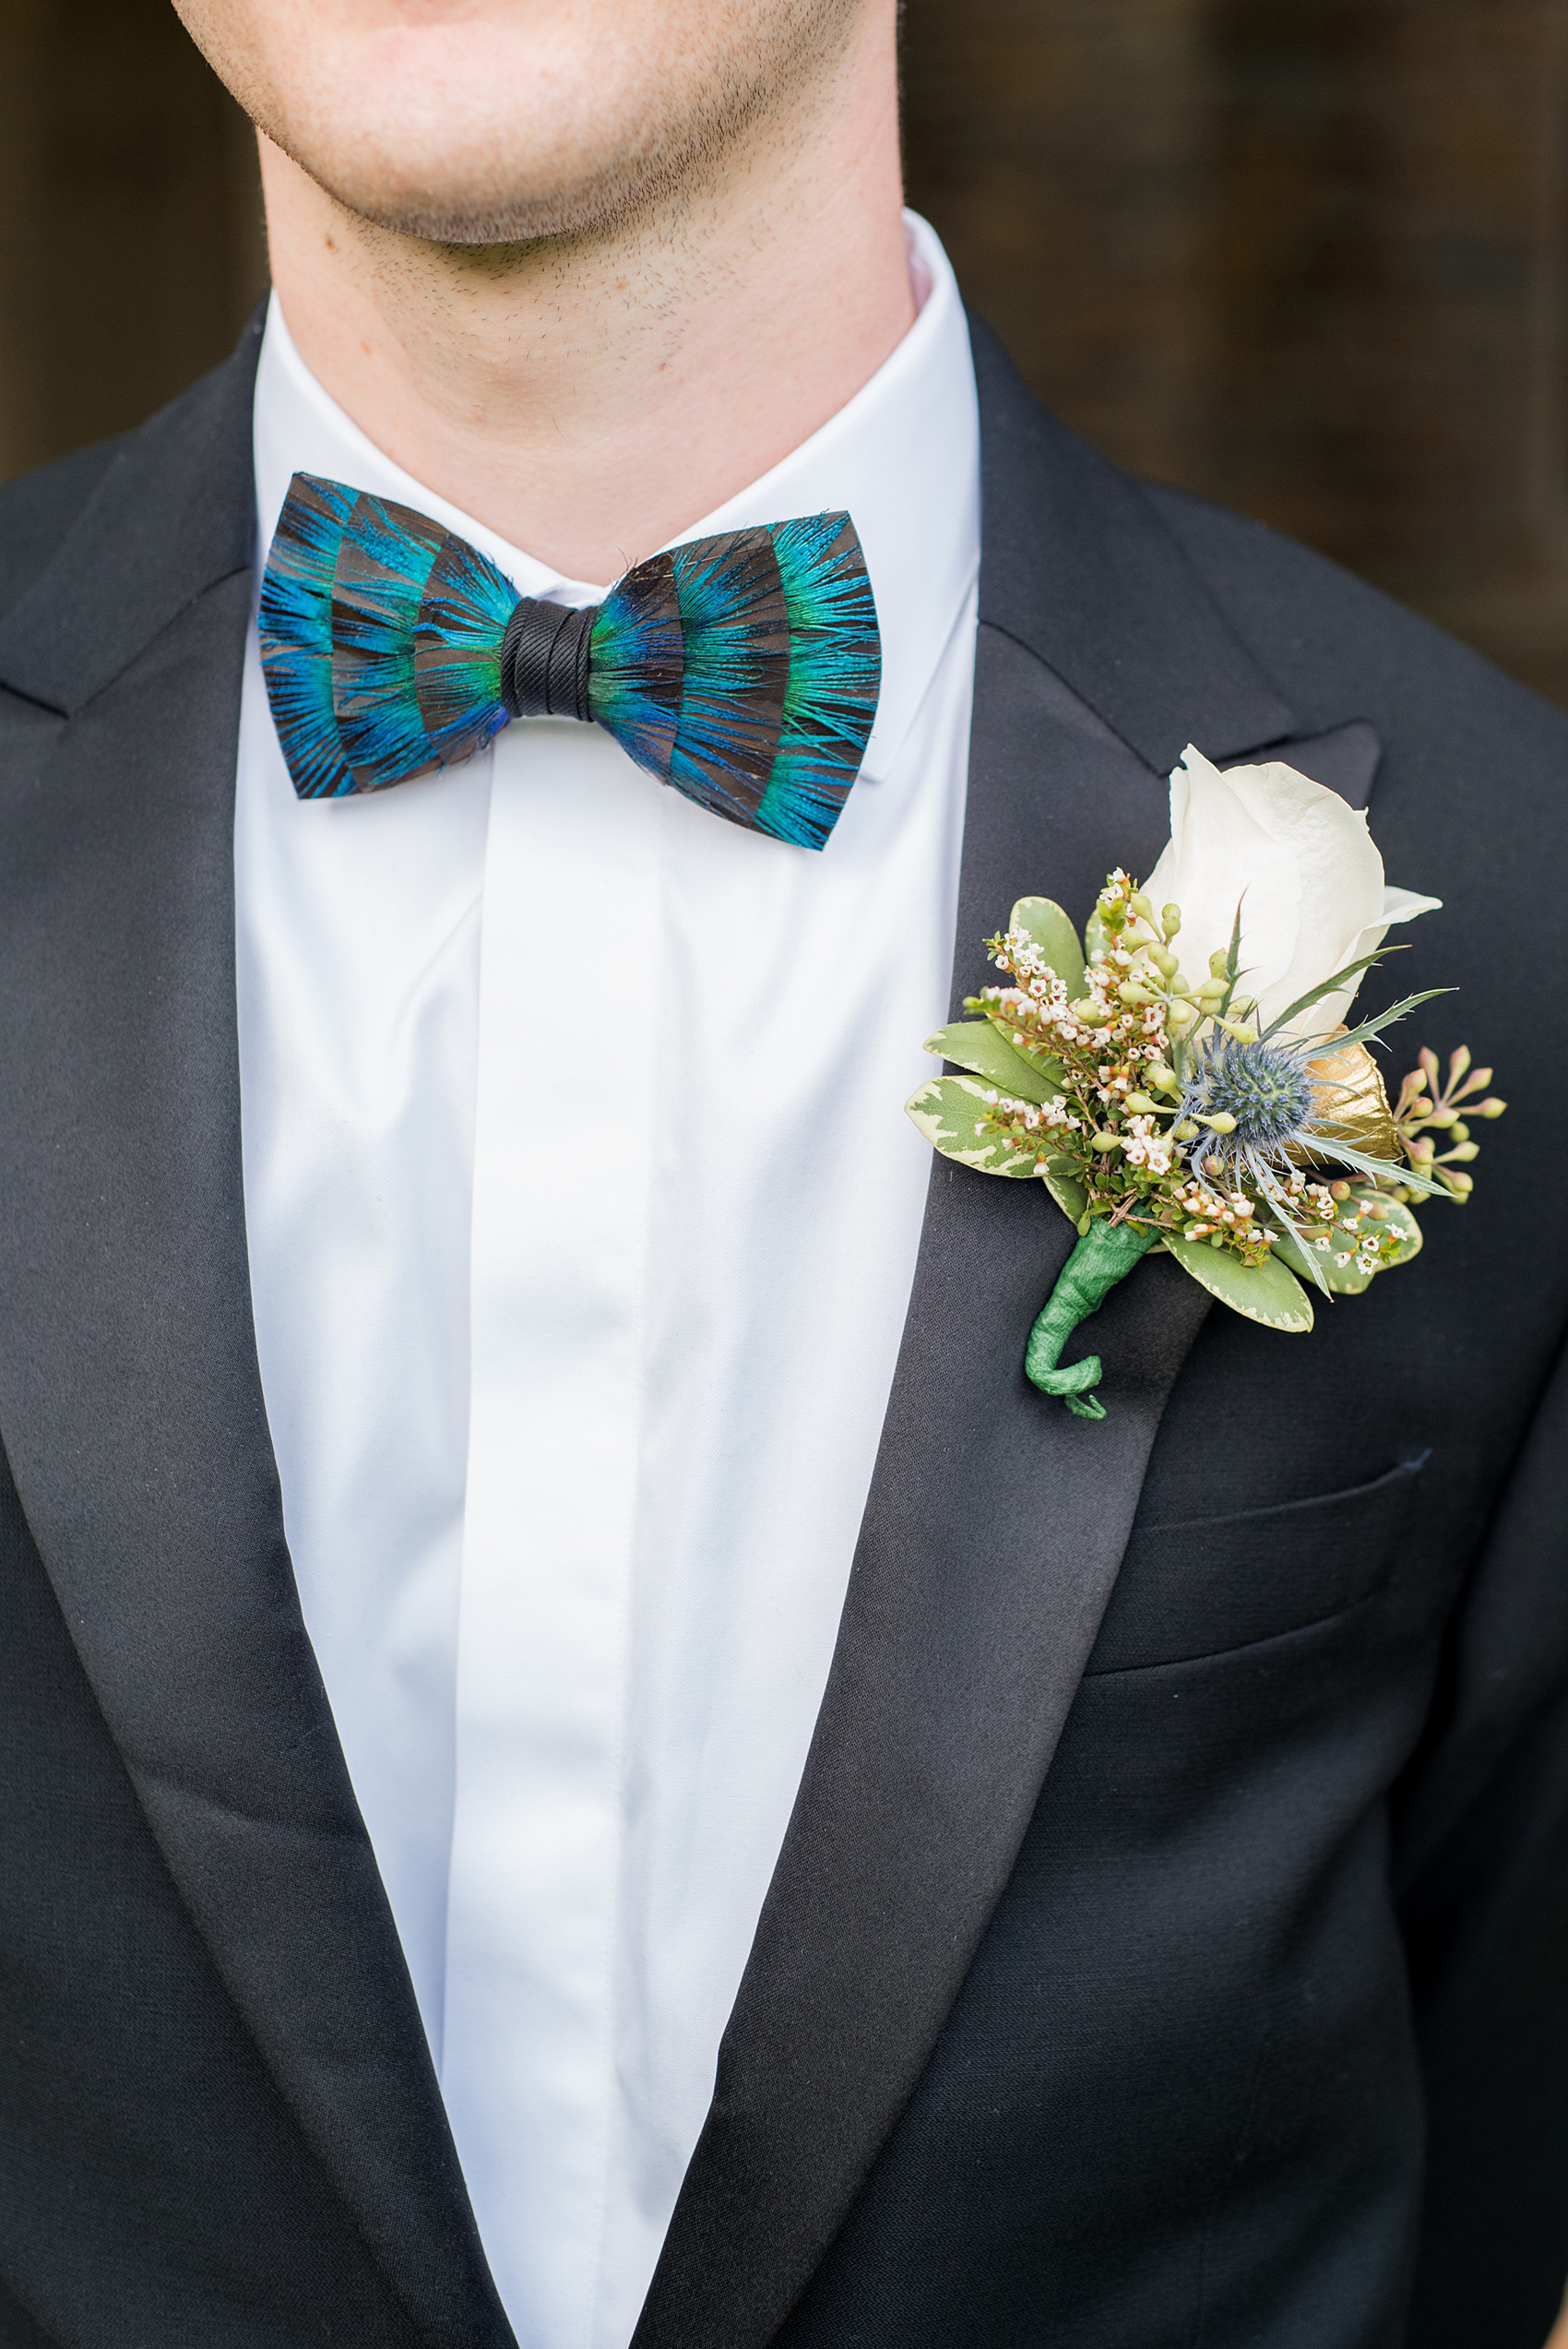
[544, 660]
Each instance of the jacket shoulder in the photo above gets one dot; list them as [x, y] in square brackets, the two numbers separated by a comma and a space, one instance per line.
[37, 510]
[102, 552]
[1330, 639]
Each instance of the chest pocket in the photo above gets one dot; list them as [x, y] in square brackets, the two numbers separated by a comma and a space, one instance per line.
[1208, 1583]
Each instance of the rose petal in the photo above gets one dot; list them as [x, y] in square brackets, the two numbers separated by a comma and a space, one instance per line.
[1300, 864]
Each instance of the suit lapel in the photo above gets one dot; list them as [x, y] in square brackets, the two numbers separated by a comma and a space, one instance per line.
[996, 1521]
[129, 1394]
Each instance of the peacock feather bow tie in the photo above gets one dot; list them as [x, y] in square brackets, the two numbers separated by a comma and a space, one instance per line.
[742, 669]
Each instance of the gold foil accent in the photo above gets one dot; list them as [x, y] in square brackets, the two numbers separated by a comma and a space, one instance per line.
[1350, 1102]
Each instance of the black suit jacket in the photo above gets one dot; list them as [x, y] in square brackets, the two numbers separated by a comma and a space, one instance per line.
[1169, 1942]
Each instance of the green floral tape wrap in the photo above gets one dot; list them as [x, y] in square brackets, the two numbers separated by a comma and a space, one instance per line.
[1105, 1255]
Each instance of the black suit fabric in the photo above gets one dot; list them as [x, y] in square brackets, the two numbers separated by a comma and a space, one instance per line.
[1171, 1940]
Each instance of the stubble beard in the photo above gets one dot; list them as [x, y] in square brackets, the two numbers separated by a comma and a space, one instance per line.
[684, 146]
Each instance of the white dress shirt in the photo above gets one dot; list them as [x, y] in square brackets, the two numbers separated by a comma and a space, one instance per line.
[583, 1214]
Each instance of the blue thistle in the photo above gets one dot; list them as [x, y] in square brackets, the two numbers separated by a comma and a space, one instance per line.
[1265, 1087]
[1281, 1118]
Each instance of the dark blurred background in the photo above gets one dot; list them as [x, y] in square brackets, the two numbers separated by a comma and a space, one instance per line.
[1307, 257]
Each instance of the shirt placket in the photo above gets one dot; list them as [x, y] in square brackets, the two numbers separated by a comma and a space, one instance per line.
[564, 1145]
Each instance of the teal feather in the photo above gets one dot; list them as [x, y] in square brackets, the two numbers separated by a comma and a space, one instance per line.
[295, 627]
[835, 677]
[735, 626]
[458, 636]
[381, 639]
[386, 558]
[638, 659]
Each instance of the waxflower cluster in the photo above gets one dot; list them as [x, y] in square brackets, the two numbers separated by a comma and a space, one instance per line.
[1171, 1111]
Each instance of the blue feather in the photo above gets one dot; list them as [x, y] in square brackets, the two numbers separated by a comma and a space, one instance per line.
[387, 556]
[381, 640]
[735, 626]
[835, 677]
[458, 636]
[638, 660]
[296, 634]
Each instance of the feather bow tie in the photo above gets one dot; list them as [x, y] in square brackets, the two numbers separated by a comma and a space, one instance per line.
[741, 669]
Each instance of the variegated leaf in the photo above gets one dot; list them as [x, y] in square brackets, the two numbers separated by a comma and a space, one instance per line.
[949, 1111]
[984, 1049]
[1041, 919]
[1269, 1292]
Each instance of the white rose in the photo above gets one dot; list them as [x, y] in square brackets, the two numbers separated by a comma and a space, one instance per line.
[1302, 865]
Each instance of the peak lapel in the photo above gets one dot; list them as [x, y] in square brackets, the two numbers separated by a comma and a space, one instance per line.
[996, 1521]
[129, 1396]
[1079, 566]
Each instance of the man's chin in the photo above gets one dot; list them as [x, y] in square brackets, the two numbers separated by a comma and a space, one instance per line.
[488, 226]
[519, 199]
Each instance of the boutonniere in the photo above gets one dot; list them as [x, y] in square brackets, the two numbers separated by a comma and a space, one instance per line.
[1208, 1098]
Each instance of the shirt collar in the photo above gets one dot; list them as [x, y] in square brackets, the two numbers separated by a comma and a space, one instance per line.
[902, 457]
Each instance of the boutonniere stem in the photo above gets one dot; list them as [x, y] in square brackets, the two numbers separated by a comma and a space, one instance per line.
[1105, 1255]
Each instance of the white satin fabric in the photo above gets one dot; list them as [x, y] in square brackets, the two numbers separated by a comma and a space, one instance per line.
[582, 1214]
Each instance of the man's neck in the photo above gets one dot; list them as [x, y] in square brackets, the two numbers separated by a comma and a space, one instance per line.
[591, 399]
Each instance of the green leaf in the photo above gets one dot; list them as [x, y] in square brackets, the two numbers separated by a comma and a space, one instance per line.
[1348, 1280]
[949, 1111]
[1233, 971]
[1269, 1292]
[1305, 1003]
[1065, 1185]
[1386, 1019]
[1049, 1072]
[1397, 1217]
[1361, 1163]
[1097, 937]
[1343, 1280]
[1042, 919]
[981, 1047]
